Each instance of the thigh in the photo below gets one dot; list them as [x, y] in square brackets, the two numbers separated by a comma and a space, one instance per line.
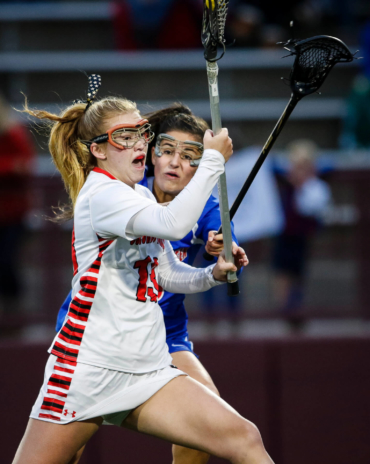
[48, 443]
[187, 362]
[186, 413]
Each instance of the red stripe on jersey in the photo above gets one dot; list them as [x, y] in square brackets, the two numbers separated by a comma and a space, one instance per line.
[80, 309]
[76, 311]
[70, 350]
[79, 303]
[67, 353]
[49, 416]
[89, 282]
[74, 258]
[104, 246]
[55, 401]
[56, 392]
[69, 340]
[78, 327]
[95, 270]
[64, 369]
[66, 361]
[50, 408]
[71, 332]
[57, 384]
[61, 377]
[101, 171]
[89, 289]
[79, 317]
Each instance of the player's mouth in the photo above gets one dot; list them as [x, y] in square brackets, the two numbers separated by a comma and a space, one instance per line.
[139, 161]
[172, 175]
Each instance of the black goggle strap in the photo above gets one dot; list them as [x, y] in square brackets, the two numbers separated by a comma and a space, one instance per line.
[99, 139]
[94, 85]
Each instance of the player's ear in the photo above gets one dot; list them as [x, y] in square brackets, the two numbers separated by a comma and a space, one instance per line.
[98, 151]
[154, 158]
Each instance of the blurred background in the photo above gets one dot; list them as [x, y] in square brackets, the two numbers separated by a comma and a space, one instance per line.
[291, 352]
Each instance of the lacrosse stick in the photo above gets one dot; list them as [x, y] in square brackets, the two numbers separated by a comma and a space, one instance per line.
[314, 59]
[213, 29]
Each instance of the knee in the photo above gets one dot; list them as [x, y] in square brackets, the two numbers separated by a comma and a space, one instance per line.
[247, 442]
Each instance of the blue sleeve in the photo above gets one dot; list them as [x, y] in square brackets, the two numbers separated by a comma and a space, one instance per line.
[211, 220]
[63, 311]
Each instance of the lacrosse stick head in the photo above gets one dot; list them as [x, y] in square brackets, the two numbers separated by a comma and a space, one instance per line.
[213, 28]
[314, 59]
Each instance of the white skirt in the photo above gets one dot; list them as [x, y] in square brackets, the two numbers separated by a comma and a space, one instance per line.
[74, 391]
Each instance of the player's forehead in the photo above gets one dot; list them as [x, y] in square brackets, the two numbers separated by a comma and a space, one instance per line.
[131, 118]
[183, 136]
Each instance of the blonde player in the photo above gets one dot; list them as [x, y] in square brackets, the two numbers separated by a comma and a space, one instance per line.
[109, 362]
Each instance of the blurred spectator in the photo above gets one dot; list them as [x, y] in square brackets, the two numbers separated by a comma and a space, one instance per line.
[16, 158]
[356, 133]
[163, 24]
[272, 35]
[305, 198]
[245, 25]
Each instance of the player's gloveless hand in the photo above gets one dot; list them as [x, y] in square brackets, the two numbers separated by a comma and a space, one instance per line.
[222, 267]
[215, 243]
[220, 142]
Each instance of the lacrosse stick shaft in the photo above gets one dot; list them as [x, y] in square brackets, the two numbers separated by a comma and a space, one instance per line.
[257, 166]
[265, 151]
[232, 280]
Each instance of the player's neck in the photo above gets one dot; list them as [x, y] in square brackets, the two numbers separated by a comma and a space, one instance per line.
[161, 197]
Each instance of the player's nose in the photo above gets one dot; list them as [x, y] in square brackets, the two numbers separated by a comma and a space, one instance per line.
[176, 160]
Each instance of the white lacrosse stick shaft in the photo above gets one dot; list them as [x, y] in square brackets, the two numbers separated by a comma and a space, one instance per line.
[212, 73]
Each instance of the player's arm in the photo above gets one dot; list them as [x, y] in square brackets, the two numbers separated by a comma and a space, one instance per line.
[178, 277]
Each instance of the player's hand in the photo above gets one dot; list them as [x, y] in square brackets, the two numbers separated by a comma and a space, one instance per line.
[215, 243]
[220, 142]
[222, 267]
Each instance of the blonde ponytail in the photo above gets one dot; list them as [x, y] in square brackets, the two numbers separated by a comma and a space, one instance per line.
[71, 157]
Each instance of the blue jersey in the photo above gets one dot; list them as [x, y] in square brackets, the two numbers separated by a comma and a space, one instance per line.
[172, 304]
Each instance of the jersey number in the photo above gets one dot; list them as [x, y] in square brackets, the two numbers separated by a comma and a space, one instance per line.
[143, 291]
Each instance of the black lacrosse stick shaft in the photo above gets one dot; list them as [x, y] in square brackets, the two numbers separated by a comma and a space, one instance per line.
[257, 166]
[265, 151]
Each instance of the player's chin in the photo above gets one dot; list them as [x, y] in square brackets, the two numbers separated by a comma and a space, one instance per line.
[138, 176]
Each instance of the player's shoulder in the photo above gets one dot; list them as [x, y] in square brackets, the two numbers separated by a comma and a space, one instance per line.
[144, 192]
[99, 181]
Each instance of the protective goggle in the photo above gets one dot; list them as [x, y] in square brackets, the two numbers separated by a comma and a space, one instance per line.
[188, 150]
[125, 135]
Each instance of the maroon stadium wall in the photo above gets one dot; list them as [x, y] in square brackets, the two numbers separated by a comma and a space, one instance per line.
[309, 397]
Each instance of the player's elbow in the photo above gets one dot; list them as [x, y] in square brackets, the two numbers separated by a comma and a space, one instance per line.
[178, 233]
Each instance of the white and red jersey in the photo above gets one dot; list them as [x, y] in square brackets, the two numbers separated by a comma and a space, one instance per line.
[114, 320]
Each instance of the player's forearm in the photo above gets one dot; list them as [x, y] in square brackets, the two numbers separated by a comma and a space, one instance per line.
[176, 220]
[177, 277]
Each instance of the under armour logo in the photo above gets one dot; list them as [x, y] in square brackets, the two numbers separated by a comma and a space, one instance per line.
[73, 414]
